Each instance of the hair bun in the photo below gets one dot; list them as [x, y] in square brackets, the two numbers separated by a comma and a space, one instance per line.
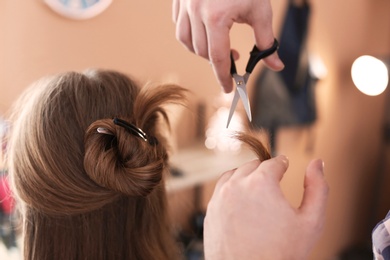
[120, 161]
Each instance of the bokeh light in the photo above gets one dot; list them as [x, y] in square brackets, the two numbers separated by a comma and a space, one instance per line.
[370, 75]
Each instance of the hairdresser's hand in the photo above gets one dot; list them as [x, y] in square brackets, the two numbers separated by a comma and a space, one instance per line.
[248, 216]
[203, 27]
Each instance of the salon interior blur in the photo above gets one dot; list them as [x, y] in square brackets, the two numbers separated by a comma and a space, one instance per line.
[331, 102]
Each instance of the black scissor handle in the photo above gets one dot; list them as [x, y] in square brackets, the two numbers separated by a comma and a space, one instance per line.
[256, 55]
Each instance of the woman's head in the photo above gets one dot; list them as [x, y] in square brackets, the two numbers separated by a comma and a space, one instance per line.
[86, 193]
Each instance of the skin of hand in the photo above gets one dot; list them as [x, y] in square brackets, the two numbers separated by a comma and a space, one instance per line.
[248, 216]
[203, 27]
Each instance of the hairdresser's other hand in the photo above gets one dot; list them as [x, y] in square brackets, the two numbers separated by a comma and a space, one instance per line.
[203, 27]
[248, 216]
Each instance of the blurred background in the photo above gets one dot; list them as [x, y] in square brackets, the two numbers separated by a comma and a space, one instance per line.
[345, 127]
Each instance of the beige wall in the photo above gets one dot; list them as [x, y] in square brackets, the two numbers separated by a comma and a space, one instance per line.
[138, 37]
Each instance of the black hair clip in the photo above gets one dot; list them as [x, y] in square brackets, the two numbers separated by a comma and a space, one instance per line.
[135, 131]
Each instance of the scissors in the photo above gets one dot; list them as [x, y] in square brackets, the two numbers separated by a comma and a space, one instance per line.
[255, 56]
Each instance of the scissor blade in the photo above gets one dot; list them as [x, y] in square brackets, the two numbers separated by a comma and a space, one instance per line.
[233, 107]
[245, 100]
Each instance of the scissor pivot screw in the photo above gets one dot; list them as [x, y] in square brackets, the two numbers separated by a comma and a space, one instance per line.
[240, 82]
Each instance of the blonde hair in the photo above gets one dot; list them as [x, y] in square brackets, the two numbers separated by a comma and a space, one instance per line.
[84, 194]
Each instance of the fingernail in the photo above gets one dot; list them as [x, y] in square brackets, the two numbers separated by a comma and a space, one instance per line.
[284, 159]
[321, 166]
[280, 64]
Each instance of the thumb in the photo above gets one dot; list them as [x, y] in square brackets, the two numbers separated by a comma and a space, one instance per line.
[316, 191]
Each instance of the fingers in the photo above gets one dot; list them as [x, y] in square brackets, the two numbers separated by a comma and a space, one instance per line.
[223, 179]
[203, 27]
[175, 10]
[207, 36]
[183, 26]
[274, 167]
[219, 54]
[246, 169]
[190, 30]
[316, 191]
[198, 32]
[242, 171]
